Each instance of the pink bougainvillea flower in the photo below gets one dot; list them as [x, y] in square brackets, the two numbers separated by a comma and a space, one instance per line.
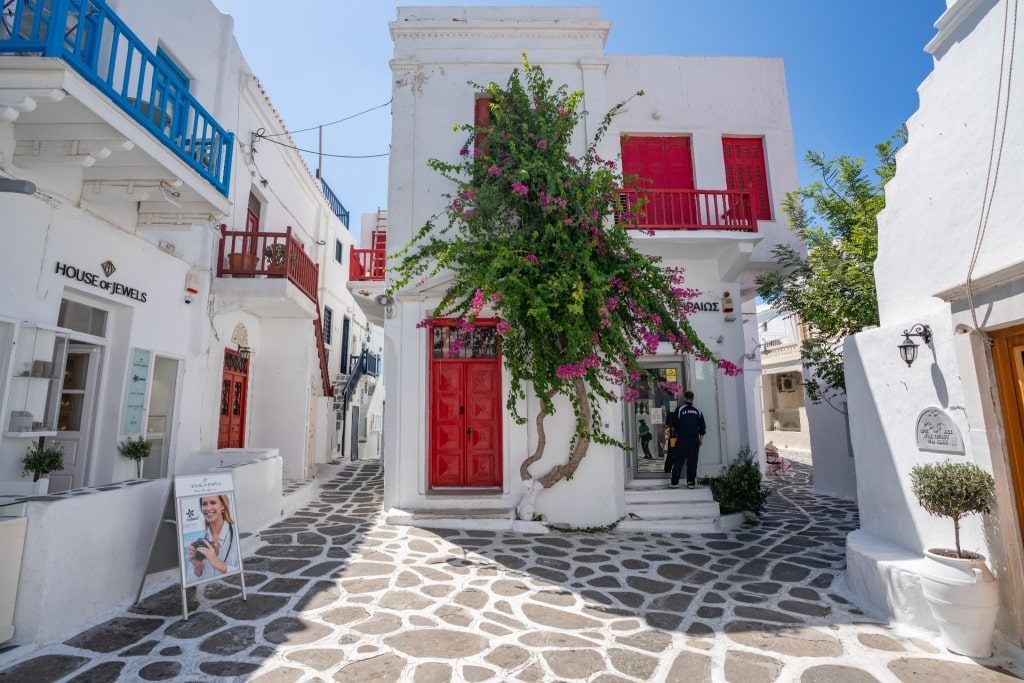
[494, 171]
[543, 144]
[519, 188]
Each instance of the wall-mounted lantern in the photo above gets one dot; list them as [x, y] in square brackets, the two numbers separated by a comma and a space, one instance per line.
[908, 349]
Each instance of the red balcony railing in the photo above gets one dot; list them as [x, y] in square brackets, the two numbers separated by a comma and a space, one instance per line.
[367, 265]
[270, 254]
[691, 209]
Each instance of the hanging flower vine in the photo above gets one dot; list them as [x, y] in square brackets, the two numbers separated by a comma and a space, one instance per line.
[538, 236]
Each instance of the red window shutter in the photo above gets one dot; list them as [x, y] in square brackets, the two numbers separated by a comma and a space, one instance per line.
[745, 170]
[482, 119]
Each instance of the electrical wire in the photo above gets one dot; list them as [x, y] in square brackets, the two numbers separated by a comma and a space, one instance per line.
[324, 125]
[313, 151]
[995, 156]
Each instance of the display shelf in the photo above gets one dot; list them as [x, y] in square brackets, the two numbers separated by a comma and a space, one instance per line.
[37, 377]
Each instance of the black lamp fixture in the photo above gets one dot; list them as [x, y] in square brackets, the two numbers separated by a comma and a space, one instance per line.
[908, 349]
[244, 352]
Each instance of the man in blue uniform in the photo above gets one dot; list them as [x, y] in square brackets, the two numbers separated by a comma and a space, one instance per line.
[689, 431]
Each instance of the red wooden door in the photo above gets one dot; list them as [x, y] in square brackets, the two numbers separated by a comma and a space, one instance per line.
[465, 409]
[234, 387]
[662, 165]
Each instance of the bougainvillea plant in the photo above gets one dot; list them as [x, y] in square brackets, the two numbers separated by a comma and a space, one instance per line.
[536, 236]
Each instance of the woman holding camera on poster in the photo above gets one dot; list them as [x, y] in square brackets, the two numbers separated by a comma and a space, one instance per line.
[217, 547]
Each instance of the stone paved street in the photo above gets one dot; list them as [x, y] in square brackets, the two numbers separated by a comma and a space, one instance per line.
[336, 595]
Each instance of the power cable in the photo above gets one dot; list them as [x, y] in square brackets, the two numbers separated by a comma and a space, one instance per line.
[324, 125]
[313, 151]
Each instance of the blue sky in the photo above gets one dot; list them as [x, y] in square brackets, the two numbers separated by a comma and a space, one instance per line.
[852, 67]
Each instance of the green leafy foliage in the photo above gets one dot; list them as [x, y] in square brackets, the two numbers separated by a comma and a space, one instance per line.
[832, 289]
[534, 236]
[738, 489]
[136, 449]
[41, 459]
[952, 489]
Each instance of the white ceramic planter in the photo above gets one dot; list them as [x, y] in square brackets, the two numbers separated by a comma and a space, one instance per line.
[964, 599]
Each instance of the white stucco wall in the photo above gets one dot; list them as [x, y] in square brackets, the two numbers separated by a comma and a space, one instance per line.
[940, 189]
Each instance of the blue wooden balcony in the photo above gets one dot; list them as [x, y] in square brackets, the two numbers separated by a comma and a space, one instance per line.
[90, 38]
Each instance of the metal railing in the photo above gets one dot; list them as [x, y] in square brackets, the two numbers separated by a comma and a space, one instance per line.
[332, 199]
[96, 43]
[270, 254]
[689, 209]
[785, 419]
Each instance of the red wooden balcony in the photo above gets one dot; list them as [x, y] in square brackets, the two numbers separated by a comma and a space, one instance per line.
[268, 254]
[367, 265]
[691, 209]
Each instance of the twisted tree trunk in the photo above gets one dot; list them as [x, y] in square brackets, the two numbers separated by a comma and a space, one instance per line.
[525, 509]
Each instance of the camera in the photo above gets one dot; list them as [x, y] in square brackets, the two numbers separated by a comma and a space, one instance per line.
[201, 543]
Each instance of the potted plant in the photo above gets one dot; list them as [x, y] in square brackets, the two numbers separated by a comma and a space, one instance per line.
[136, 449]
[41, 459]
[274, 254]
[958, 585]
[738, 489]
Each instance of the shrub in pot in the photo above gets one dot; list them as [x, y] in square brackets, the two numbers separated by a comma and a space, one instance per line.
[958, 585]
[738, 489]
[137, 450]
[41, 459]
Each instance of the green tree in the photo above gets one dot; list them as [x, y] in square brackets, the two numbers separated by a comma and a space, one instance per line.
[535, 235]
[832, 289]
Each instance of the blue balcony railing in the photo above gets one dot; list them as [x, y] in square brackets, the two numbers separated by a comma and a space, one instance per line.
[336, 206]
[97, 44]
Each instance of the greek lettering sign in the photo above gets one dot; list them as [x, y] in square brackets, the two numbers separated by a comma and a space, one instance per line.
[937, 433]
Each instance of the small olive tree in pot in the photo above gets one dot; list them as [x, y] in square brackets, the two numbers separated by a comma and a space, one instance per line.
[136, 449]
[954, 490]
[41, 459]
[958, 585]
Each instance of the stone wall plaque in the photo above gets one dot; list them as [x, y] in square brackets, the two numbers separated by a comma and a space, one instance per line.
[936, 432]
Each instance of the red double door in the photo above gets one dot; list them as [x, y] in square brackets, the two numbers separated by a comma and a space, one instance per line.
[234, 388]
[465, 410]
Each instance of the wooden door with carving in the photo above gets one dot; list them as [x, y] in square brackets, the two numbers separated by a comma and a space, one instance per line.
[465, 407]
[234, 390]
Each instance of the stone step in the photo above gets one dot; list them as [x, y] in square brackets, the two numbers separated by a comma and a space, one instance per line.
[703, 510]
[669, 525]
[643, 496]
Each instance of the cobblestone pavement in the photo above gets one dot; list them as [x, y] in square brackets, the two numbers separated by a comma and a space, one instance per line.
[336, 595]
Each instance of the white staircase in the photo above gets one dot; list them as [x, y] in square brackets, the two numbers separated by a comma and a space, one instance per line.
[654, 507]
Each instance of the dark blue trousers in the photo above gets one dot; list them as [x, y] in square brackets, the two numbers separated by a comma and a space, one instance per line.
[686, 452]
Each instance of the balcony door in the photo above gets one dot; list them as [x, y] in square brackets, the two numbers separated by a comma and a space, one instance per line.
[661, 165]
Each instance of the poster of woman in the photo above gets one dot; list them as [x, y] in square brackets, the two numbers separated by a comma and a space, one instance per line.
[209, 533]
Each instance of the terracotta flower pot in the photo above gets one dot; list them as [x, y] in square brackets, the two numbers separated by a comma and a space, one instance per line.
[242, 262]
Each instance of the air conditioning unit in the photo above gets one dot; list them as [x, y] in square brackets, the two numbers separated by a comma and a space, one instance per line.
[785, 384]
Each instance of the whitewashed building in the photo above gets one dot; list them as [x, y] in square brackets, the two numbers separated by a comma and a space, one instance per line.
[949, 264]
[173, 274]
[706, 111]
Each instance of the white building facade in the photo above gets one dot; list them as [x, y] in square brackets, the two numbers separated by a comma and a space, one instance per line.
[696, 108]
[174, 276]
[957, 177]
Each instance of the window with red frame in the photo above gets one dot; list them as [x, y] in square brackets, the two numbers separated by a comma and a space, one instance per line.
[745, 170]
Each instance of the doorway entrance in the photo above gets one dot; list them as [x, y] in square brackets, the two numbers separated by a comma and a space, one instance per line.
[234, 392]
[652, 409]
[1008, 361]
[74, 416]
[465, 407]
